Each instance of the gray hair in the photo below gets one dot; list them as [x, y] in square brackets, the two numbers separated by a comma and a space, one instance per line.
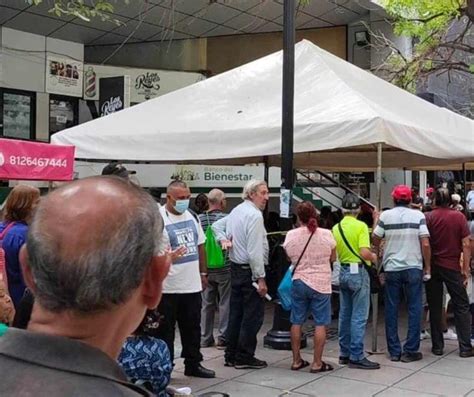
[110, 271]
[350, 212]
[215, 196]
[252, 187]
[176, 183]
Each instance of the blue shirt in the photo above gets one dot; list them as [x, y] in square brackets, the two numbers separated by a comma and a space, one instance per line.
[12, 242]
[147, 362]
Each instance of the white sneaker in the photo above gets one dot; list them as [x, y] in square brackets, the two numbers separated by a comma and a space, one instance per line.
[450, 335]
[424, 335]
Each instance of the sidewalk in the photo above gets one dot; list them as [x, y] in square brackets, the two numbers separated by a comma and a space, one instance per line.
[448, 375]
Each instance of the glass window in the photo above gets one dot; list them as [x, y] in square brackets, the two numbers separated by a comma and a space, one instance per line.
[63, 113]
[18, 114]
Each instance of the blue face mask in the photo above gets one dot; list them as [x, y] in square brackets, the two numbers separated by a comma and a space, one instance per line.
[181, 206]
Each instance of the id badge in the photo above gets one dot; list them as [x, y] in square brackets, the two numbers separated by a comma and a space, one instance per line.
[354, 268]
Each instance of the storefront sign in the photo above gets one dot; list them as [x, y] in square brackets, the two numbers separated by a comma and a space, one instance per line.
[64, 76]
[206, 176]
[214, 176]
[35, 161]
[144, 83]
[114, 94]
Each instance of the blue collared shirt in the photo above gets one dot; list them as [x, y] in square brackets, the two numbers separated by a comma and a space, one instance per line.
[244, 226]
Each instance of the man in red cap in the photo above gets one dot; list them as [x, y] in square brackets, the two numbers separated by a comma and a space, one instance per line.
[406, 247]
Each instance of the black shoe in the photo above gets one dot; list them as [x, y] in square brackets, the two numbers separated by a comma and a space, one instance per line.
[343, 360]
[229, 363]
[410, 357]
[437, 352]
[199, 371]
[221, 345]
[467, 353]
[363, 364]
[395, 358]
[254, 363]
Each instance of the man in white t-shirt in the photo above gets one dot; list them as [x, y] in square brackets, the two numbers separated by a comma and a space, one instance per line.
[182, 287]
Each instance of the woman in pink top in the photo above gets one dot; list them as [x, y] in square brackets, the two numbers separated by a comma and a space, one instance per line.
[311, 288]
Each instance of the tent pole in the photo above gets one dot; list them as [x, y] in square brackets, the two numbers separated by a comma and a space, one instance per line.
[375, 297]
[279, 336]
[464, 188]
[266, 178]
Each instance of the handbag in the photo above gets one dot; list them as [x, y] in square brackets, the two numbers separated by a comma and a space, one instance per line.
[375, 285]
[284, 289]
[215, 256]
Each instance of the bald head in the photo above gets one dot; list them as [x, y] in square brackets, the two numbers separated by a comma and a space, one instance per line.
[90, 243]
[79, 216]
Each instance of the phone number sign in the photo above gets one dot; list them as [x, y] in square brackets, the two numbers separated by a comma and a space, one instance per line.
[35, 161]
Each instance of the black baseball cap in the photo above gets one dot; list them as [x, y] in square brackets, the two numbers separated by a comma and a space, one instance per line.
[115, 168]
[350, 202]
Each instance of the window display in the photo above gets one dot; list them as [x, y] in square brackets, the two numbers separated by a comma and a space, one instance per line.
[63, 113]
[18, 111]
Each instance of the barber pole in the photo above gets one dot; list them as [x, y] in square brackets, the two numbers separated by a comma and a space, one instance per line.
[91, 79]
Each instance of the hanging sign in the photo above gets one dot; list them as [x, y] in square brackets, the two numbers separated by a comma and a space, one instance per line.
[114, 94]
[35, 161]
[64, 76]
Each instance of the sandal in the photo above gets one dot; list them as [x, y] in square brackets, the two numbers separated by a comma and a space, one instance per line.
[303, 364]
[325, 367]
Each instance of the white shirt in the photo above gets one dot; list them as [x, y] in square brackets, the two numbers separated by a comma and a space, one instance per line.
[470, 200]
[184, 276]
[244, 226]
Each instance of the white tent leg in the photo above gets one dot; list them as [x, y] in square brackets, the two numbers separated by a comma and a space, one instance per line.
[375, 297]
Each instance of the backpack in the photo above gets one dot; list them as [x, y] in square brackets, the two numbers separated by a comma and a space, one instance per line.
[215, 256]
[7, 310]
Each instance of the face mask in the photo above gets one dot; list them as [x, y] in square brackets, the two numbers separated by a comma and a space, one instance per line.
[181, 206]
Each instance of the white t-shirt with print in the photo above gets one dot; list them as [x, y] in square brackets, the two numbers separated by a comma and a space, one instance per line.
[184, 276]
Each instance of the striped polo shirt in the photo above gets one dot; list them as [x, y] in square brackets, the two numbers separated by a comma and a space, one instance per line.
[402, 228]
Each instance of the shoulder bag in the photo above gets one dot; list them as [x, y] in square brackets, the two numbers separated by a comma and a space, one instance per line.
[284, 289]
[371, 270]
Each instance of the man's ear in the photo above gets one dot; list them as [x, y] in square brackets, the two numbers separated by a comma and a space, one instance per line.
[25, 268]
[153, 282]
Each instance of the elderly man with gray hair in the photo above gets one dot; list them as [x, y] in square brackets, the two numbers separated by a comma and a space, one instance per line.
[94, 262]
[218, 283]
[243, 233]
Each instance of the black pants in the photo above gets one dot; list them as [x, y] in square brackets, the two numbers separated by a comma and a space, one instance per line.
[462, 316]
[245, 316]
[186, 310]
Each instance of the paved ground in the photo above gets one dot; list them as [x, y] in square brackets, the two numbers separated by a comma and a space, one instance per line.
[448, 375]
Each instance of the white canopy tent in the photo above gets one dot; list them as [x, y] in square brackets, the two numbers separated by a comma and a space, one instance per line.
[344, 118]
[341, 113]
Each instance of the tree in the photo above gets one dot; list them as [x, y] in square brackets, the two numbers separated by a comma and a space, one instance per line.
[443, 36]
[84, 9]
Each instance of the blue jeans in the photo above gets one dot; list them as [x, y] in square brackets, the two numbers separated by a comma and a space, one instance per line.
[353, 313]
[410, 282]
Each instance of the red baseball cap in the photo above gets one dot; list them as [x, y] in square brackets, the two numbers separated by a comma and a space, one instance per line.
[401, 192]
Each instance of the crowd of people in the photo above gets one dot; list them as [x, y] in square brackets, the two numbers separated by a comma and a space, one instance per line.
[100, 274]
